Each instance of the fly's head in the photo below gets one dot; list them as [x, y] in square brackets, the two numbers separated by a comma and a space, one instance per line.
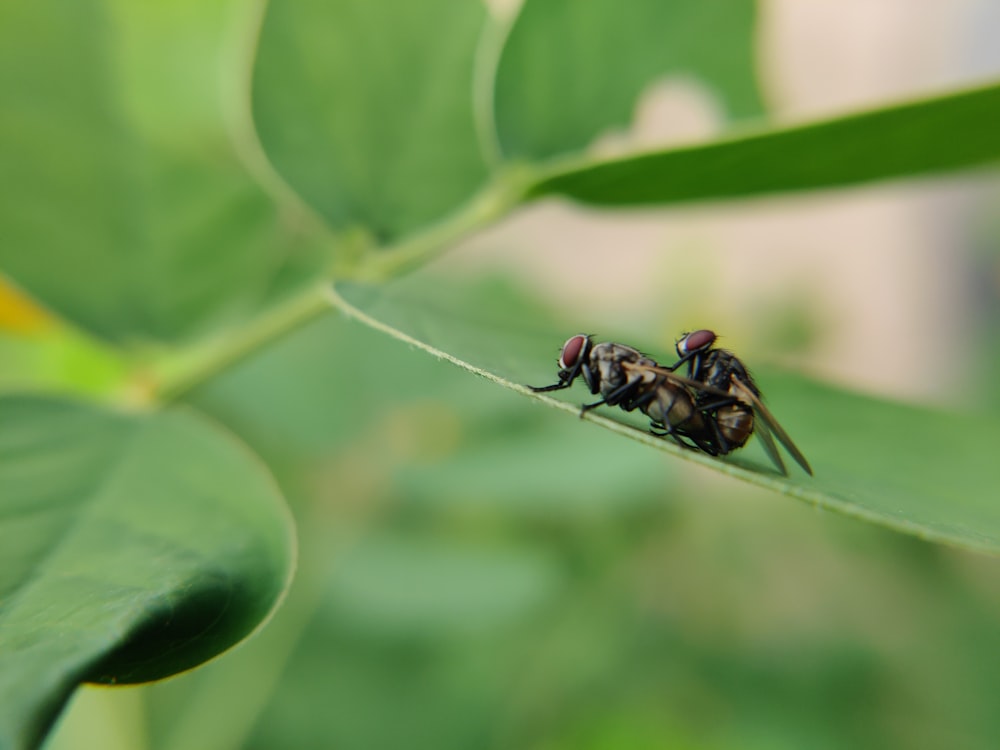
[695, 342]
[573, 356]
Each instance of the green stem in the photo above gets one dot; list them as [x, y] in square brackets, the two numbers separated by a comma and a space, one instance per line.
[497, 200]
[373, 265]
[219, 356]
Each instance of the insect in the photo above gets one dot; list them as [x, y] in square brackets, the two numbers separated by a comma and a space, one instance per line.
[733, 416]
[625, 377]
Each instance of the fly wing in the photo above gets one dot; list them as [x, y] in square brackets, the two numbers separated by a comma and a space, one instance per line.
[764, 433]
[769, 423]
[672, 377]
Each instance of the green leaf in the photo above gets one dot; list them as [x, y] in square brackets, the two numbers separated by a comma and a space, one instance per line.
[133, 547]
[950, 132]
[121, 173]
[570, 70]
[366, 107]
[391, 582]
[921, 472]
[61, 360]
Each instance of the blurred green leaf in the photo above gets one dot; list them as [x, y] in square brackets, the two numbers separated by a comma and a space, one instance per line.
[435, 586]
[950, 132]
[345, 688]
[59, 359]
[289, 400]
[125, 206]
[366, 107]
[133, 547]
[541, 487]
[570, 70]
[917, 471]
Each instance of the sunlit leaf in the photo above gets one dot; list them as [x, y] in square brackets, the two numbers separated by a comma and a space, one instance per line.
[60, 359]
[18, 314]
[133, 547]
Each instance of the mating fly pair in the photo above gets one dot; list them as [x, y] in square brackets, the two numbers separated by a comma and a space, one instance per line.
[714, 409]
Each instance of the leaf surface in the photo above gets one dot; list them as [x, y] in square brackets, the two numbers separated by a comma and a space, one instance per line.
[133, 547]
[366, 108]
[950, 132]
[922, 472]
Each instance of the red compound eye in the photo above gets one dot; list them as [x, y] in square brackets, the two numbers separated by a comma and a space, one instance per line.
[692, 342]
[572, 351]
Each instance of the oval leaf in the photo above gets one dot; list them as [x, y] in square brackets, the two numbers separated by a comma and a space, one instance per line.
[365, 106]
[950, 132]
[133, 547]
[570, 71]
[120, 172]
[921, 472]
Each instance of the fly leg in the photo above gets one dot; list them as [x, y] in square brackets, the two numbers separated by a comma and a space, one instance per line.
[716, 405]
[566, 378]
[711, 447]
[665, 428]
[717, 446]
[615, 398]
[661, 430]
[545, 388]
[721, 446]
[638, 402]
[692, 360]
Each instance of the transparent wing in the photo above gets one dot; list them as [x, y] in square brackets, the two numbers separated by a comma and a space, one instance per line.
[769, 423]
[672, 377]
[764, 433]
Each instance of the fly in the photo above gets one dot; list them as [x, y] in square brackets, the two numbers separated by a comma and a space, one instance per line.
[733, 416]
[627, 378]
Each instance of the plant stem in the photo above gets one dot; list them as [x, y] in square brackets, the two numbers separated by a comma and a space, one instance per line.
[220, 355]
[495, 201]
[373, 265]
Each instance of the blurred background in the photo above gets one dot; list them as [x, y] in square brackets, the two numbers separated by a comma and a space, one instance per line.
[885, 288]
[477, 572]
